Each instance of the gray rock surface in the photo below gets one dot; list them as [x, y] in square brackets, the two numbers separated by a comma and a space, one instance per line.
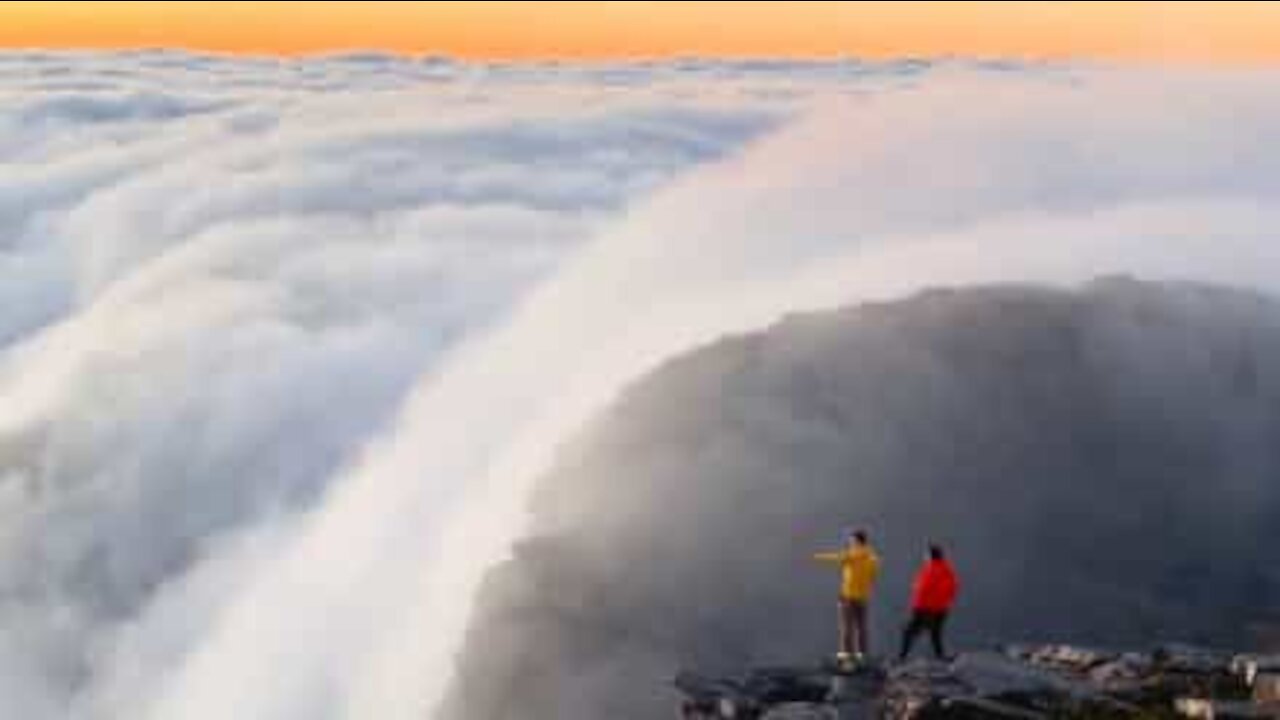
[1016, 684]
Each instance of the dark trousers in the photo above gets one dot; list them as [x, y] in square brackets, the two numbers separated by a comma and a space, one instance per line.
[922, 620]
[853, 627]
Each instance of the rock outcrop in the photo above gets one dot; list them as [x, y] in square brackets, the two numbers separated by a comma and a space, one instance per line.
[1015, 683]
[1103, 464]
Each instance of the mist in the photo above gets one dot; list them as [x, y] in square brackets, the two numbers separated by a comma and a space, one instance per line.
[289, 354]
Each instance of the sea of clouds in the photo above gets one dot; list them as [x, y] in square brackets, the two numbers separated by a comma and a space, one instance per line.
[284, 343]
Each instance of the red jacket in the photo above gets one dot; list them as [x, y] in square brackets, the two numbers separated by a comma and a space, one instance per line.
[935, 588]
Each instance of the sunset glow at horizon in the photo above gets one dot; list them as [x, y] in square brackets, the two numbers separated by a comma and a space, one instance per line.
[1214, 32]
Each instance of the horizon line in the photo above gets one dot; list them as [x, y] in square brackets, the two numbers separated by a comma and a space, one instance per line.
[815, 59]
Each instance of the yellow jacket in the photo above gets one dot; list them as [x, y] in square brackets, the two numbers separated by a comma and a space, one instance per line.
[859, 567]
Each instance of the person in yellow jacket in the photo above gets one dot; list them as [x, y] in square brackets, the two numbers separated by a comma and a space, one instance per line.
[859, 567]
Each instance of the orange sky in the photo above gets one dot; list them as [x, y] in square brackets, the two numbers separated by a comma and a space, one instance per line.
[1183, 31]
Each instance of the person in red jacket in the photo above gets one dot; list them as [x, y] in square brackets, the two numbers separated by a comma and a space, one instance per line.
[931, 600]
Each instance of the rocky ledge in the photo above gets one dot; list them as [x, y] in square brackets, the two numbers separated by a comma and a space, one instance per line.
[1025, 682]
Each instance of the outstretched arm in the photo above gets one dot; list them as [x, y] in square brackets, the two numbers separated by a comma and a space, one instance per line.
[832, 557]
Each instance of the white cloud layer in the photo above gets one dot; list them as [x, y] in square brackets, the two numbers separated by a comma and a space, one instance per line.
[218, 279]
[285, 342]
